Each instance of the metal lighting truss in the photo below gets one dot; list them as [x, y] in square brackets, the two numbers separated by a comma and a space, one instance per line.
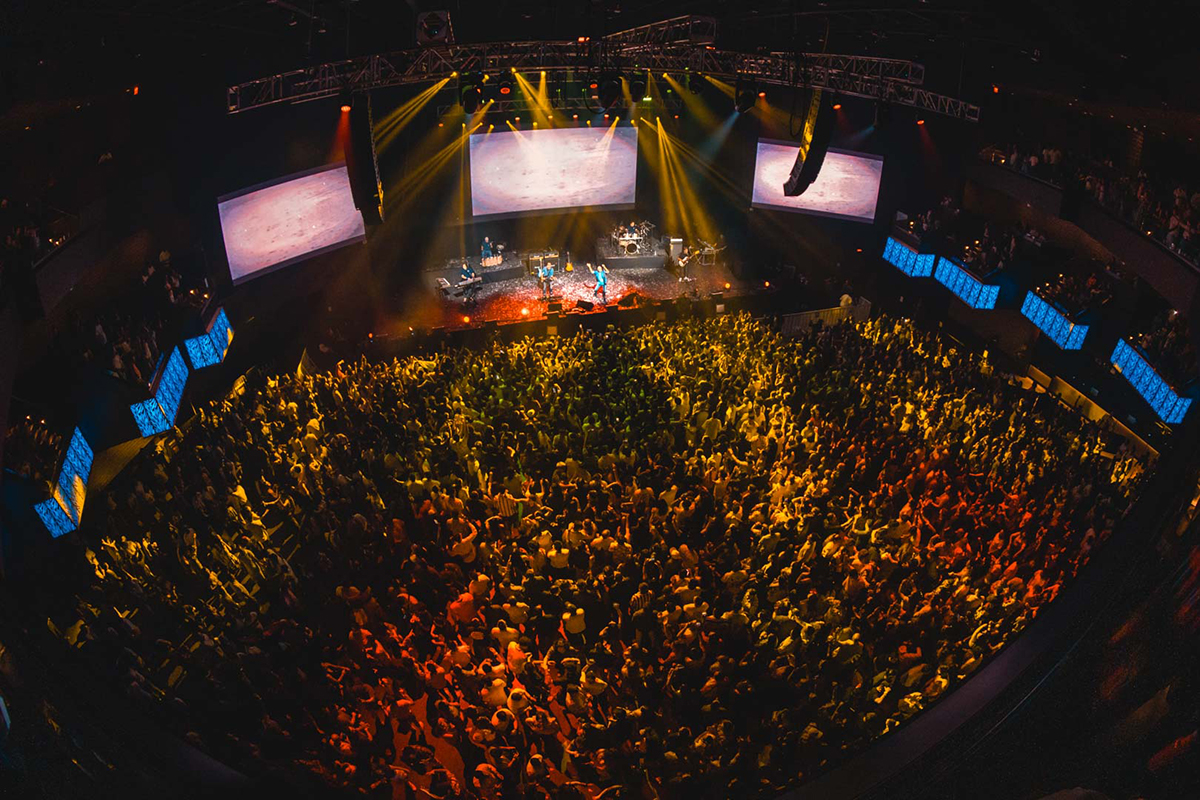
[581, 104]
[675, 46]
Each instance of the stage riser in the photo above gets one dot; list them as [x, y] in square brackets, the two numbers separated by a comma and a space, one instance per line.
[635, 262]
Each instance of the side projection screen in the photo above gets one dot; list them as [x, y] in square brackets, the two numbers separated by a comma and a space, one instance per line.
[515, 172]
[847, 186]
[276, 224]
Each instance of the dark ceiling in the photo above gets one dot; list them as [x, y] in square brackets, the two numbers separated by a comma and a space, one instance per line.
[1131, 53]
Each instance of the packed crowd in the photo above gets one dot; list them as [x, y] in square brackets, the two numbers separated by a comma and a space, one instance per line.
[124, 338]
[986, 246]
[1170, 349]
[686, 559]
[32, 449]
[24, 244]
[1079, 290]
[1160, 206]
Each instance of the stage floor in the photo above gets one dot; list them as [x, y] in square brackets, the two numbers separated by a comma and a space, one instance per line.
[504, 301]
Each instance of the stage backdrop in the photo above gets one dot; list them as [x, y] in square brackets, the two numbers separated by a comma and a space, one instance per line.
[278, 223]
[517, 172]
[846, 188]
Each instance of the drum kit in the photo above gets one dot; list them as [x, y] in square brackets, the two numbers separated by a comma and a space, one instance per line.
[630, 240]
[495, 260]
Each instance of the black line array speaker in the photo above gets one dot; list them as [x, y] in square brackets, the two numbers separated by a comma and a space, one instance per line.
[362, 163]
[808, 164]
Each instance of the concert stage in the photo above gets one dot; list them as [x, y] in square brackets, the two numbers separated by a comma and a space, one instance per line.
[505, 300]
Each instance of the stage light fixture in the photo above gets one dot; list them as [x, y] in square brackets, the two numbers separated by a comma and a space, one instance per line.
[745, 95]
[470, 94]
[995, 89]
[727, 285]
[920, 122]
[837, 106]
[574, 116]
[610, 90]
[345, 108]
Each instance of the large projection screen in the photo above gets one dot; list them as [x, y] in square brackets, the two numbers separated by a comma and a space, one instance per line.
[847, 187]
[518, 172]
[275, 224]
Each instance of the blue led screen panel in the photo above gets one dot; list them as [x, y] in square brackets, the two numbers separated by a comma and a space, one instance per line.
[54, 517]
[170, 386]
[1145, 380]
[964, 285]
[149, 417]
[923, 265]
[73, 478]
[907, 260]
[1053, 323]
[158, 413]
[211, 347]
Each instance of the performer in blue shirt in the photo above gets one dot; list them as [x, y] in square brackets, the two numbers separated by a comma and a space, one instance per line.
[485, 249]
[467, 272]
[601, 273]
[546, 276]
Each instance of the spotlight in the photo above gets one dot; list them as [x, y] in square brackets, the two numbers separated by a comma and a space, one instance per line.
[837, 106]
[593, 85]
[606, 116]
[454, 74]
[441, 124]
[637, 88]
[727, 285]
[471, 94]
[524, 312]
[610, 90]
[995, 89]
[518, 119]
[345, 108]
[467, 320]
[762, 94]
[676, 116]
[920, 122]
[574, 116]
[745, 95]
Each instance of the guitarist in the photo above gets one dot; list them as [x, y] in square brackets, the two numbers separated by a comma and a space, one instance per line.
[546, 276]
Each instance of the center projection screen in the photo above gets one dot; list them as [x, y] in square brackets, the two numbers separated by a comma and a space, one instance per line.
[517, 172]
[276, 224]
[847, 187]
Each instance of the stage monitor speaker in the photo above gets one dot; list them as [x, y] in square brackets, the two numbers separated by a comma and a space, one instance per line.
[675, 249]
[554, 307]
[814, 143]
[584, 305]
[362, 163]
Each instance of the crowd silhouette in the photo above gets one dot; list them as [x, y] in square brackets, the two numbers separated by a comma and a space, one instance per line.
[694, 558]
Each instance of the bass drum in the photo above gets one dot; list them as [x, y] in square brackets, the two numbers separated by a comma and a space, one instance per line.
[631, 248]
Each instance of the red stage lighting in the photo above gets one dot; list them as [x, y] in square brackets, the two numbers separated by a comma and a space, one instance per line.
[762, 94]
[505, 90]
[135, 91]
[920, 122]
[345, 108]
[995, 89]
[837, 106]
[574, 116]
